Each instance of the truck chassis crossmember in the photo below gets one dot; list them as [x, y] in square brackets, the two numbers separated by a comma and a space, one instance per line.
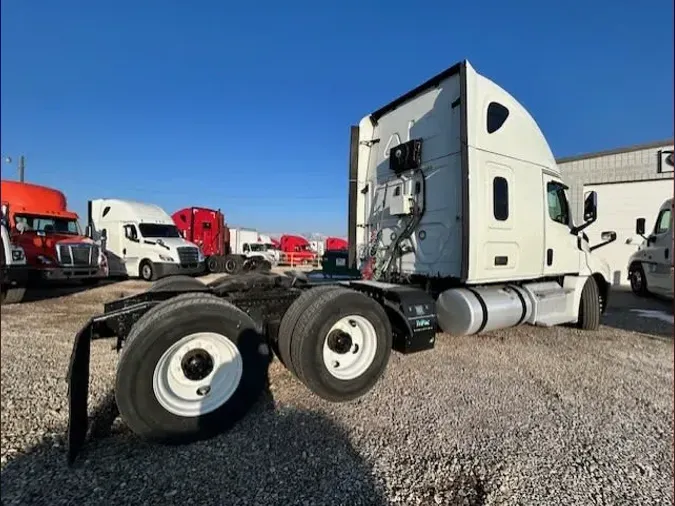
[356, 319]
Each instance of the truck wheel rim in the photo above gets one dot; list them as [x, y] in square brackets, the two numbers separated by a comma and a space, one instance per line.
[197, 374]
[350, 347]
[637, 280]
[146, 272]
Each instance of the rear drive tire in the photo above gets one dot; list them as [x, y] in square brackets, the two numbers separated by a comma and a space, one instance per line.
[638, 280]
[341, 345]
[213, 264]
[179, 283]
[146, 271]
[290, 320]
[12, 295]
[191, 368]
[233, 264]
[589, 306]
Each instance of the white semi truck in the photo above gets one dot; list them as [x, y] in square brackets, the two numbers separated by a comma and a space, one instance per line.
[650, 268]
[141, 240]
[14, 275]
[254, 253]
[270, 247]
[462, 222]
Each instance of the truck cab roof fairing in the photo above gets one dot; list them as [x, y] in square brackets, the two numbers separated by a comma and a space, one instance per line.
[531, 145]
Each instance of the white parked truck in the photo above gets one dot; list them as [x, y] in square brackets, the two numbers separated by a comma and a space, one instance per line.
[141, 240]
[650, 268]
[255, 254]
[269, 246]
[14, 275]
[461, 220]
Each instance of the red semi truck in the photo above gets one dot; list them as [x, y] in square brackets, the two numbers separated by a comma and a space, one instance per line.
[297, 249]
[208, 230]
[40, 223]
[336, 244]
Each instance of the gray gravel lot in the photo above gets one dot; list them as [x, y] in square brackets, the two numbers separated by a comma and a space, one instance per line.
[523, 416]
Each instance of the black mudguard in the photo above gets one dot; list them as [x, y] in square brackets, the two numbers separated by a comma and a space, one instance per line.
[78, 390]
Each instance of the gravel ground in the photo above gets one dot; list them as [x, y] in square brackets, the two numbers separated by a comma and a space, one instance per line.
[523, 416]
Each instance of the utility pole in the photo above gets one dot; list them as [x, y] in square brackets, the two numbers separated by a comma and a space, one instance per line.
[22, 168]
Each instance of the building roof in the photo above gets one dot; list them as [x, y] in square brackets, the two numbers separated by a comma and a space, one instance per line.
[616, 151]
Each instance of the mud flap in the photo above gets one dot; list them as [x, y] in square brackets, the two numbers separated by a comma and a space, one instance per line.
[78, 391]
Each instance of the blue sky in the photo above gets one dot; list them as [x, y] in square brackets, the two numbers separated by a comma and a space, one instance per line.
[248, 108]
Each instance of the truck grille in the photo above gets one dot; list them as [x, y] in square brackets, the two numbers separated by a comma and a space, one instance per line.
[188, 256]
[77, 254]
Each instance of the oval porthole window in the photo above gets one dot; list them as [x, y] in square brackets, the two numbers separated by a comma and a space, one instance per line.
[422, 235]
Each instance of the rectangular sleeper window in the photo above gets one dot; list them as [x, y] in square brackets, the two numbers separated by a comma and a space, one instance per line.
[500, 198]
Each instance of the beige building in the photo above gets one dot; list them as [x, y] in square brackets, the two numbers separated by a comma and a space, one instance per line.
[631, 183]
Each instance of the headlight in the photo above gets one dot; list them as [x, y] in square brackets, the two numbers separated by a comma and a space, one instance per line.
[165, 258]
[17, 254]
[44, 260]
[201, 255]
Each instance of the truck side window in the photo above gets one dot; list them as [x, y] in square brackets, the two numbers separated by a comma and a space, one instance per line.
[663, 222]
[246, 248]
[558, 208]
[500, 198]
[130, 232]
[496, 116]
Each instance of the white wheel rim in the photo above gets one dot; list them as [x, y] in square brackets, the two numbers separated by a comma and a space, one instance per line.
[187, 397]
[146, 271]
[361, 353]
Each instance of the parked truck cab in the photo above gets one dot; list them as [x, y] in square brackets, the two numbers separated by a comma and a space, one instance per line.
[297, 249]
[40, 223]
[221, 246]
[336, 244]
[270, 246]
[454, 187]
[141, 240]
[459, 220]
[14, 275]
[650, 268]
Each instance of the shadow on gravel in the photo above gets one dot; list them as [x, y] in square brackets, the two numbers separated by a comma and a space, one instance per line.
[37, 293]
[647, 315]
[273, 456]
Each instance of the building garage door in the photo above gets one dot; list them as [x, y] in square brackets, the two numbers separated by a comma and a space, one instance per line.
[619, 205]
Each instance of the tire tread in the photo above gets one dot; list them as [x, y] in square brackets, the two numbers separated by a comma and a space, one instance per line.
[290, 321]
[589, 317]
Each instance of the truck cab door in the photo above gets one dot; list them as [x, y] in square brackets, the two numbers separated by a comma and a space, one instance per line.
[131, 248]
[561, 254]
[659, 259]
